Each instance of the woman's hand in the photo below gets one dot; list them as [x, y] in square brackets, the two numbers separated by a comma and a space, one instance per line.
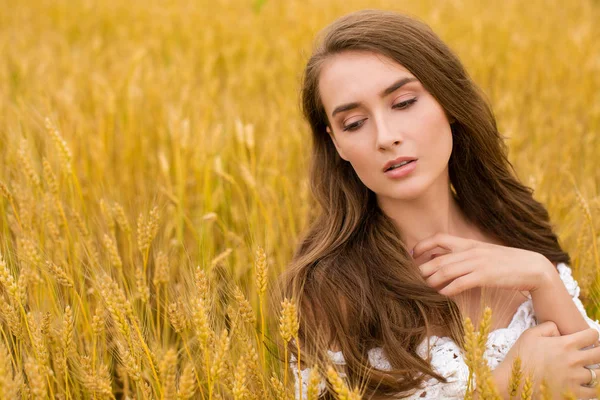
[558, 359]
[471, 263]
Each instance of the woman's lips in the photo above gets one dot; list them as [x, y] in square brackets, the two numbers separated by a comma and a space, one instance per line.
[403, 170]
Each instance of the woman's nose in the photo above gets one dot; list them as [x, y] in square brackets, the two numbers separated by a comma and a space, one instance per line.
[387, 136]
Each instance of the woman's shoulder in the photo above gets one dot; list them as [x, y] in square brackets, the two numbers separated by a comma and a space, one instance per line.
[566, 275]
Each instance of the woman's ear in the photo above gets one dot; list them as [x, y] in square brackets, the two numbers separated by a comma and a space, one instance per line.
[337, 147]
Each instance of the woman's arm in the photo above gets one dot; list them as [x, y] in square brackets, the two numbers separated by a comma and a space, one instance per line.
[552, 301]
[501, 377]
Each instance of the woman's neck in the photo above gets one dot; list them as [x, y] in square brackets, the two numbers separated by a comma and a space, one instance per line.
[435, 211]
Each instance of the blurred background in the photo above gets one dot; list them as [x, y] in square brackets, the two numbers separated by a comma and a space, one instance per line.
[153, 176]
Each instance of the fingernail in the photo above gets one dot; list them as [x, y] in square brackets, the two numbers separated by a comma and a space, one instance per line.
[412, 252]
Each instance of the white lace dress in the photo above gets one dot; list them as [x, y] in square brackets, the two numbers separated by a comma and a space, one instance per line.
[446, 357]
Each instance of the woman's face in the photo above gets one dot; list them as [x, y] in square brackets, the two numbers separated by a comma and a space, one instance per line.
[373, 125]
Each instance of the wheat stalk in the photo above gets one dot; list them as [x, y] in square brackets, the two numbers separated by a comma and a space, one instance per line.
[240, 389]
[7, 279]
[340, 388]
[61, 145]
[96, 379]
[177, 316]
[141, 286]
[59, 274]
[10, 379]
[527, 392]
[545, 393]
[245, 308]
[113, 252]
[187, 383]
[515, 378]
[204, 334]
[261, 284]
[168, 368]
[288, 328]
[590, 222]
[28, 168]
[314, 380]
[119, 215]
[37, 384]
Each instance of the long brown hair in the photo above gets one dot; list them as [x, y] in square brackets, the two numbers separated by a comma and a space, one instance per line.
[351, 275]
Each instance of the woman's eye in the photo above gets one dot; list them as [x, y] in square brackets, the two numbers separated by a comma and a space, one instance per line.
[353, 126]
[405, 104]
[402, 105]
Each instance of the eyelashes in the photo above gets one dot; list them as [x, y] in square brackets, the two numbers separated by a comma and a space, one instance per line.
[405, 104]
[399, 106]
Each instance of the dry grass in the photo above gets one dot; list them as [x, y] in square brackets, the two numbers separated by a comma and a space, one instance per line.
[153, 178]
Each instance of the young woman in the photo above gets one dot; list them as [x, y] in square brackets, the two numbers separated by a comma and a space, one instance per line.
[422, 222]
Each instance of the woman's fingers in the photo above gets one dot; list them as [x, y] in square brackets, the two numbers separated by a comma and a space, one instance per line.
[584, 377]
[444, 240]
[586, 393]
[581, 339]
[430, 267]
[547, 329]
[590, 357]
[448, 272]
[461, 284]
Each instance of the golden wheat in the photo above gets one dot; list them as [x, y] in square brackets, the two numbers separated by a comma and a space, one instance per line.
[194, 129]
[515, 378]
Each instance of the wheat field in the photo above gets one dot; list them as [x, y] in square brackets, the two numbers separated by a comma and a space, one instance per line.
[153, 178]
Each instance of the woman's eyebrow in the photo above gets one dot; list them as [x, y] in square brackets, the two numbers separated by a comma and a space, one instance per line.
[394, 86]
